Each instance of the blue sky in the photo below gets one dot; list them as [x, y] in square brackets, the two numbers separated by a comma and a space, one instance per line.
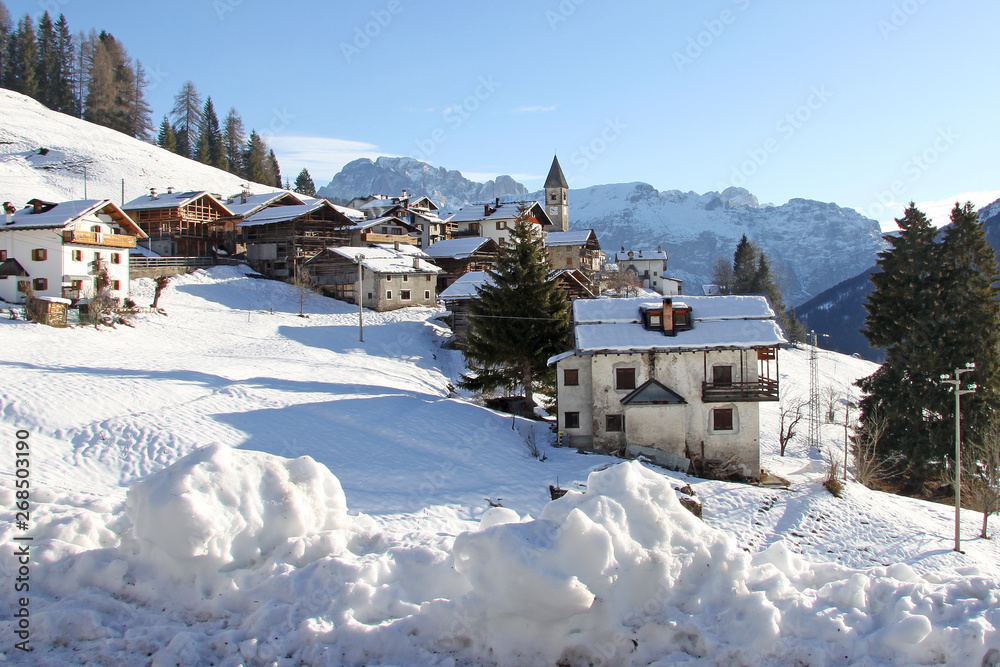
[866, 103]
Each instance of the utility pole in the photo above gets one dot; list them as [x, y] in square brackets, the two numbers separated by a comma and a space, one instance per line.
[956, 384]
[361, 330]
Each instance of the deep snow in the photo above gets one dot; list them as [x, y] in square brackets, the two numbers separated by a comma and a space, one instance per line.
[233, 484]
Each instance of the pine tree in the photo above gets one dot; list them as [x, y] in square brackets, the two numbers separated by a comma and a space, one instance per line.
[166, 138]
[254, 157]
[234, 139]
[6, 29]
[744, 267]
[794, 328]
[304, 183]
[902, 319]
[187, 116]
[210, 143]
[272, 170]
[520, 319]
[48, 61]
[64, 92]
[21, 74]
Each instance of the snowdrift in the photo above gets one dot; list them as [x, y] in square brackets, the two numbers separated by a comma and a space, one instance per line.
[254, 559]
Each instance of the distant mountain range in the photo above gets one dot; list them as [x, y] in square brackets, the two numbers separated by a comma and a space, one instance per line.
[839, 312]
[391, 175]
[811, 245]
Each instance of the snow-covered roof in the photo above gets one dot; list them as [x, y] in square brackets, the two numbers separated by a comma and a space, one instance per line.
[457, 248]
[503, 211]
[466, 287]
[574, 237]
[352, 213]
[404, 249]
[275, 214]
[170, 200]
[385, 220]
[254, 203]
[68, 212]
[383, 260]
[640, 255]
[718, 322]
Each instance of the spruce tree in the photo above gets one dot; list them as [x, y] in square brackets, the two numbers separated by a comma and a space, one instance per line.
[744, 267]
[254, 157]
[187, 116]
[234, 140]
[903, 319]
[520, 319]
[304, 183]
[272, 170]
[6, 29]
[21, 75]
[64, 91]
[166, 138]
[48, 61]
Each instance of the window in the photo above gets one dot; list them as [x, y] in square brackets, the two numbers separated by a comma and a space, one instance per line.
[40, 284]
[39, 254]
[116, 285]
[614, 423]
[571, 420]
[654, 273]
[406, 278]
[77, 255]
[388, 295]
[427, 294]
[3, 255]
[722, 374]
[116, 258]
[388, 279]
[95, 228]
[369, 295]
[97, 256]
[569, 261]
[571, 377]
[76, 285]
[624, 378]
[22, 285]
[427, 278]
[404, 294]
[722, 419]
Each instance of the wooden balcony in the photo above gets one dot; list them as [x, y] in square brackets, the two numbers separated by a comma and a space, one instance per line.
[736, 392]
[96, 238]
[372, 237]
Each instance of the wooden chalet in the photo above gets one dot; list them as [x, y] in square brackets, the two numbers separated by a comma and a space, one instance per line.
[458, 298]
[575, 284]
[280, 238]
[387, 229]
[184, 224]
[456, 257]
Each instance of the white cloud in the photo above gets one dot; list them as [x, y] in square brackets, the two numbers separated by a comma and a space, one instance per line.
[533, 109]
[322, 156]
[939, 211]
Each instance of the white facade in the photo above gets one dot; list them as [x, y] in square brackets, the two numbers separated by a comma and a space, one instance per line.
[59, 260]
[650, 267]
[634, 385]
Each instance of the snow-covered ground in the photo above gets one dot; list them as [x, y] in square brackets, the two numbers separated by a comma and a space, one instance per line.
[233, 484]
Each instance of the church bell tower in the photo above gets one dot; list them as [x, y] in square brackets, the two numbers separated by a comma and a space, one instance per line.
[556, 193]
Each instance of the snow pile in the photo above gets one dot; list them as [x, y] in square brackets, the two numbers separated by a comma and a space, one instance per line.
[223, 509]
[624, 575]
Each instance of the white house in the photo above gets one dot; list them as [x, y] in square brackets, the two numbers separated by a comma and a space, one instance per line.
[671, 379]
[650, 268]
[496, 220]
[53, 248]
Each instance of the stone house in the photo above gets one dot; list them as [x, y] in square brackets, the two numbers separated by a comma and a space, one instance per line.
[391, 278]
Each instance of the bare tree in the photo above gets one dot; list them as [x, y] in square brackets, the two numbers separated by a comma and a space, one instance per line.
[161, 284]
[789, 415]
[723, 275]
[831, 400]
[623, 282]
[872, 467]
[303, 283]
[982, 479]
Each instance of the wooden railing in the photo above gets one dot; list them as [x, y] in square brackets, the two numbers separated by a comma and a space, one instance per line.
[720, 392]
[372, 237]
[97, 238]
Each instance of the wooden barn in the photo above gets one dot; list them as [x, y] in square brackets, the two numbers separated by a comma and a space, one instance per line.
[456, 257]
[280, 238]
[184, 224]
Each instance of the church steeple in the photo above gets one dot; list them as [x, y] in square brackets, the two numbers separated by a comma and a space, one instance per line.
[556, 193]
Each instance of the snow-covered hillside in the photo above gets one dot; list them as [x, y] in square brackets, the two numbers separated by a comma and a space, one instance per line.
[233, 484]
[71, 145]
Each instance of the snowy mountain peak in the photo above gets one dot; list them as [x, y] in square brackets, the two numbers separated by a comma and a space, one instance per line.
[391, 175]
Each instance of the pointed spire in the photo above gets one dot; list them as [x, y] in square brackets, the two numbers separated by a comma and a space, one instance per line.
[556, 179]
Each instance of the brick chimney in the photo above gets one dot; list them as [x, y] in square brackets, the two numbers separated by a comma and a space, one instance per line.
[170, 190]
[9, 211]
[668, 318]
[152, 193]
